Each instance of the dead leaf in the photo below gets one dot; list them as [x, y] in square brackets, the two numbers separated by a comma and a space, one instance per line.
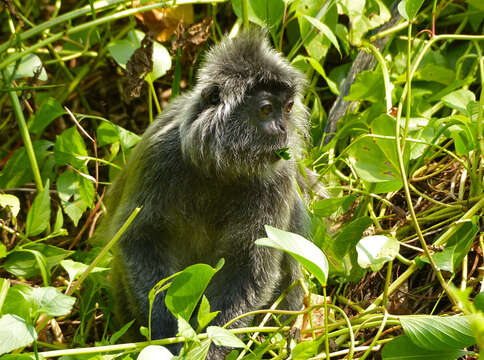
[163, 22]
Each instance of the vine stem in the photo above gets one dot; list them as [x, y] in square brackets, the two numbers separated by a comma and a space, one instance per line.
[24, 132]
[400, 149]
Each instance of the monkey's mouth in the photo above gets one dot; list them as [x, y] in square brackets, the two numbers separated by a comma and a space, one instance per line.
[283, 153]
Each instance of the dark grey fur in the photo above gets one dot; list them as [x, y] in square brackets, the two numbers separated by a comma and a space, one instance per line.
[208, 182]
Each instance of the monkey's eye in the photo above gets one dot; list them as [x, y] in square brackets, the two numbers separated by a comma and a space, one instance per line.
[289, 106]
[266, 109]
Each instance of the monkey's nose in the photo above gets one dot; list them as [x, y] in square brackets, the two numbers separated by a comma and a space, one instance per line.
[275, 128]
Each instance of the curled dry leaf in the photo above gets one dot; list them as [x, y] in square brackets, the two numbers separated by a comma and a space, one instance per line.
[163, 22]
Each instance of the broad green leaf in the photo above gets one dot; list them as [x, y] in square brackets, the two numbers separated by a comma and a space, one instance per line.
[50, 110]
[479, 301]
[185, 330]
[412, 7]
[22, 263]
[155, 352]
[374, 251]
[361, 21]
[74, 268]
[76, 194]
[304, 251]
[348, 236]
[52, 302]
[11, 202]
[436, 73]
[328, 207]
[38, 216]
[266, 13]
[185, 291]
[196, 351]
[372, 163]
[368, 85]
[305, 350]
[15, 333]
[459, 100]
[222, 337]
[438, 332]
[29, 66]
[402, 348]
[121, 51]
[316, 44]
[204, 315]
[17, 171]
[108, 133]
[455, 249]
[325, 30]
[68, 147]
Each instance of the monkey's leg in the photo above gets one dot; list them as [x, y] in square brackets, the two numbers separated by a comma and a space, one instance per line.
[142, 268]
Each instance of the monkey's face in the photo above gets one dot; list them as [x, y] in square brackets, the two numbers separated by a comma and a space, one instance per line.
[233, 139]
[270, 111]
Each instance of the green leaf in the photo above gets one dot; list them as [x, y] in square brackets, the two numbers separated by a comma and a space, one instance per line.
[155, 352]
[29, 65]
[412, 7]
[456, 248]
[76, 194]
[348, 236]
[108, 133]
[435, 73]
[10, 202]
[438, 332]
[196, 351]
[324, 30]
[304, 251]
[59, 220]
[75, 269]
[68, 147]
[316, 44]
[204, 315]
[267, 14]
[185, 291]
[305, 350]
[361, 21]
[3, 252]
[402, 348]
[374, 251]
[121, 51]
[22, 263]
[479, 301]
[50, 110]
[38, 216]
[117, 335]
[15, 333]
[372, 162]
[185, 330]
[223, 337]
[368, 85]
[459, 100]
[328, 207]
[17, 171]
[51, 301]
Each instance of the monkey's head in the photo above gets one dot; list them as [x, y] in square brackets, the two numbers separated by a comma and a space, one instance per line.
[246, 107]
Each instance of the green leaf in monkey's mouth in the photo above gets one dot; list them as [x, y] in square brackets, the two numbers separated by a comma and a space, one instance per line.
[283, 153]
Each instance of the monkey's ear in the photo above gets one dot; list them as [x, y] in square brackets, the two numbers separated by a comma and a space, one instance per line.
[211, 95]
